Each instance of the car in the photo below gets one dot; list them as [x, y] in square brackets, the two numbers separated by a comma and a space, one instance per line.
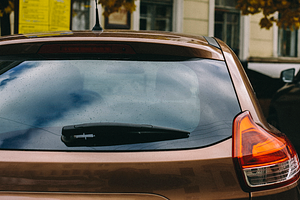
[119, 114]
[284, 107]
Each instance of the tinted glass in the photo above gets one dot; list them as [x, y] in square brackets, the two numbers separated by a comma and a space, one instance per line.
[39, 98]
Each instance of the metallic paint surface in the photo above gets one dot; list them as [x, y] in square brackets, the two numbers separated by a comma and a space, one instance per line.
[201, 173]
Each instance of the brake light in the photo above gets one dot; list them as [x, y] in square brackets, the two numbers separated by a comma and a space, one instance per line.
[86, 48]
[263, 160]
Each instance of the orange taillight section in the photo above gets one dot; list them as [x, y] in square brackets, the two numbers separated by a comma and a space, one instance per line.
[258, 153]
[255, 146]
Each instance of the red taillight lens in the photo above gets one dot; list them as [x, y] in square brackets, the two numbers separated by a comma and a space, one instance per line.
[86, 48]
[263, 159]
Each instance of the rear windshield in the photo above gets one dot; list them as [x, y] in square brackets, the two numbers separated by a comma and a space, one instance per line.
[41, 97]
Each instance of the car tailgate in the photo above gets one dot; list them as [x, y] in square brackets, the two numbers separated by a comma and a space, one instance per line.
[206, 173]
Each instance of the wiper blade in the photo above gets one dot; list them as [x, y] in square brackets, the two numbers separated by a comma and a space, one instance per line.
[105, 134]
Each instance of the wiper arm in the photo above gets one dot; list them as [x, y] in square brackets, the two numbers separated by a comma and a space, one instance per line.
[105, 134]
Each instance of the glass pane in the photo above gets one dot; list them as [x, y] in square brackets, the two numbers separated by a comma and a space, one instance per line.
[287, 43]
[230, 3]
[158, 14]
[232, 18]
[161, 11]
[229, 35]
[143, 10]
[160, 25]
[81, 15]
[219, 31]
[145, 17]
[40, 97]
[219, 2]
[219, 16]
[227, 27]
[143, 24]
[226, 3]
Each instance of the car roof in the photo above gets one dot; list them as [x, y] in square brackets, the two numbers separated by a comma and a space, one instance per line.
[143, 42]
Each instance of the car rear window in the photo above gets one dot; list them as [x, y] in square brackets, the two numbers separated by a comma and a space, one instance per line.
[40, 97]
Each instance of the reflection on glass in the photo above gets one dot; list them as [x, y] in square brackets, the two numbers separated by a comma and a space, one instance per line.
[40, 97]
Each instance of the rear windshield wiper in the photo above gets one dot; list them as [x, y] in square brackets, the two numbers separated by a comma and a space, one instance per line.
[105, 134]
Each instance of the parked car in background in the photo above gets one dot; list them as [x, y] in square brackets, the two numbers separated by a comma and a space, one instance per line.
[285, 107]
[134, 115]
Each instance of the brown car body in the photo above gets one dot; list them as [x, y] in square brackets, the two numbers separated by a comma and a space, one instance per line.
[204, 173]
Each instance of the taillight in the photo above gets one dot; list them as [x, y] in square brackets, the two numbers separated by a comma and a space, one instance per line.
[86, 48]
[263, 160]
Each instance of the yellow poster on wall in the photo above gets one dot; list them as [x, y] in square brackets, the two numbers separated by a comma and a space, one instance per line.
[44, 15]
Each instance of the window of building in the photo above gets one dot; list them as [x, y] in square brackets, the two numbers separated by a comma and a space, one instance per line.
[227, 23]
[81, 14]
[156, 15]
[287, 42]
